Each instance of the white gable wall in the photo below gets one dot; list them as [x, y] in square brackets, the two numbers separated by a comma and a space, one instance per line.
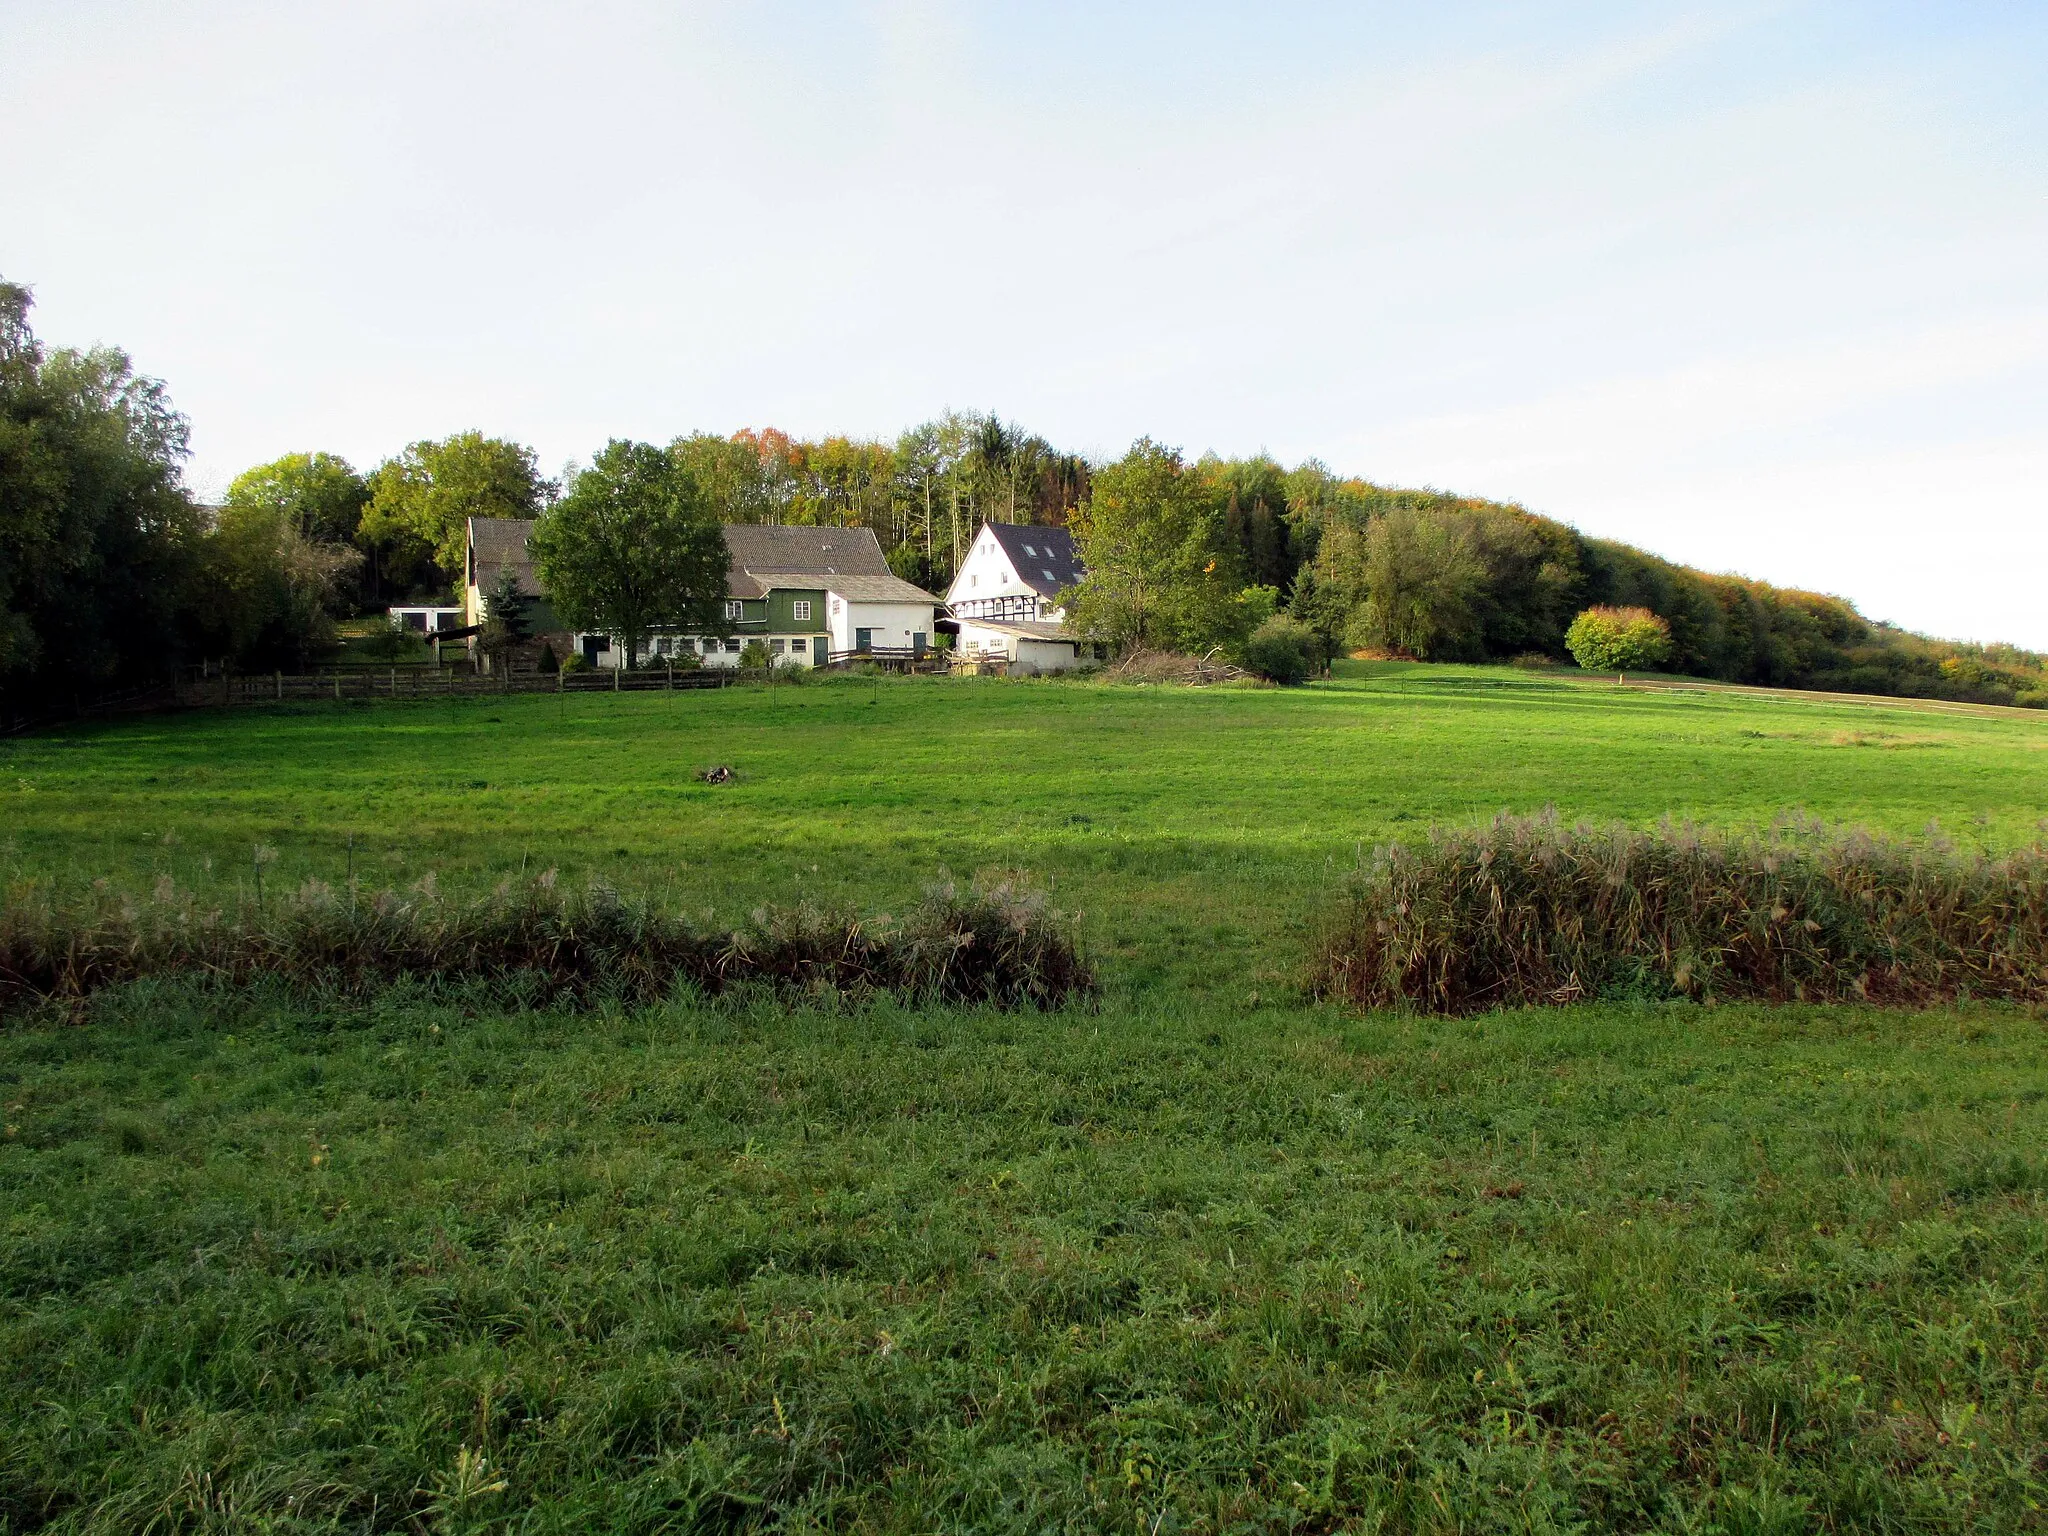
[985, 573]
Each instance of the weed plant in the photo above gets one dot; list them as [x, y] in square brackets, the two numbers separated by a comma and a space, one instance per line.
[1528, 910]
[993, 944]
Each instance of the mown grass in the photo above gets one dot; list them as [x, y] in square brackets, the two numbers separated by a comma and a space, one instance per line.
[1208, 1258]
[1175, 1268]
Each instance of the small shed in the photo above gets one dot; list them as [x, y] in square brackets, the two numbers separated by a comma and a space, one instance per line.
[1030, 646]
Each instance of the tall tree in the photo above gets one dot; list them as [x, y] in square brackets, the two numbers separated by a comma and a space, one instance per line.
[732, 474]
[634, 546]
[422, 500]
[269, 592]
[1158, 574]
[98, 540]
[1424, 582]
[318, 491]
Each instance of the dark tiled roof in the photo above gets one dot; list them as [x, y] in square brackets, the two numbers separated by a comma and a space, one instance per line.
[501, 541]
[767, 549]
[868, 589]
[758, 557]
[848, 561]
[1044, 557]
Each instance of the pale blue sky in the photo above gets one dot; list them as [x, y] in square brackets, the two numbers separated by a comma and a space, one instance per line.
[1759, 286]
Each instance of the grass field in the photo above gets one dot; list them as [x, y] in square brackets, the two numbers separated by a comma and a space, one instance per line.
[1205, 1258]
[1191, 829]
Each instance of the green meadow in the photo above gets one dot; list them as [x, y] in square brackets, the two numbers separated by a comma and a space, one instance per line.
[1192, 830]
[1205, 1257]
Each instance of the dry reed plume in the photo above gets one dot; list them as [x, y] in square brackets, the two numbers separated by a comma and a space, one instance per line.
[1526, 910]
[994, 944]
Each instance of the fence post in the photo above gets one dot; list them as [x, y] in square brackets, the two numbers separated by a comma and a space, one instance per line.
[394, 682]
[615, 678]
[337, 687]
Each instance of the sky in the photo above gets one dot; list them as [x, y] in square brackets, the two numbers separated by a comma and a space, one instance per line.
[1760, 287]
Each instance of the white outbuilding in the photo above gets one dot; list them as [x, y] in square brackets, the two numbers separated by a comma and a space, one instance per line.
[1030, 646]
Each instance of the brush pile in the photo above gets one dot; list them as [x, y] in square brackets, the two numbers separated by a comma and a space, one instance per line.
[1529, 911]
[1171, 667]
[997, 945]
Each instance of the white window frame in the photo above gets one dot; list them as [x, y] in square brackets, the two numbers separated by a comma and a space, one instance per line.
[734, 608]
[801, 607]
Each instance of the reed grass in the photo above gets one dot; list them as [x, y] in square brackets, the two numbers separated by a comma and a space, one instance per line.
[1529, 910]
[995, 944]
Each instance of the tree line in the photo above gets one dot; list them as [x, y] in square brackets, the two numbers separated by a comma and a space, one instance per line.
[110, 571]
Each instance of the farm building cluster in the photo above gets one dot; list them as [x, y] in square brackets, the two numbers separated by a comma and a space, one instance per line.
[810, 597]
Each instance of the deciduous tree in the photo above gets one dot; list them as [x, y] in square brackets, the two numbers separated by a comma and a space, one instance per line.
[98, 540]
[318, 491]
[1423, 583]
[422, 500]
[1157, 574]
[1618, 640]
[632, 547]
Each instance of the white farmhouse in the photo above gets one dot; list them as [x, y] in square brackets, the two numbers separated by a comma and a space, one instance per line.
[1008, 597]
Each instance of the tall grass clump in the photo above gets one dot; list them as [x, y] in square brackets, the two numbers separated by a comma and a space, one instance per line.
[1527, 910]
[995, 944]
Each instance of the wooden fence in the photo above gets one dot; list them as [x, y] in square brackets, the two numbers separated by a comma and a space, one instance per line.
[418, 682]
[198, 687]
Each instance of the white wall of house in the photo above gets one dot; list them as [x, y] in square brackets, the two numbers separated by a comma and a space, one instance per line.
[985, 573]
[710, 652]
[427, 619]
[1035, 656]
[893, 626]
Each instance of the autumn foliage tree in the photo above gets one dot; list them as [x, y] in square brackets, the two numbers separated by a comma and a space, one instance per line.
[1619, 640]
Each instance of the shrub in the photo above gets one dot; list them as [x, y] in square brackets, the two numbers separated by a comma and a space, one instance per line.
[1618, 640]
[754, 654]
[996, 944]
[1281, 650]
[391, 642]
[1528, 911]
